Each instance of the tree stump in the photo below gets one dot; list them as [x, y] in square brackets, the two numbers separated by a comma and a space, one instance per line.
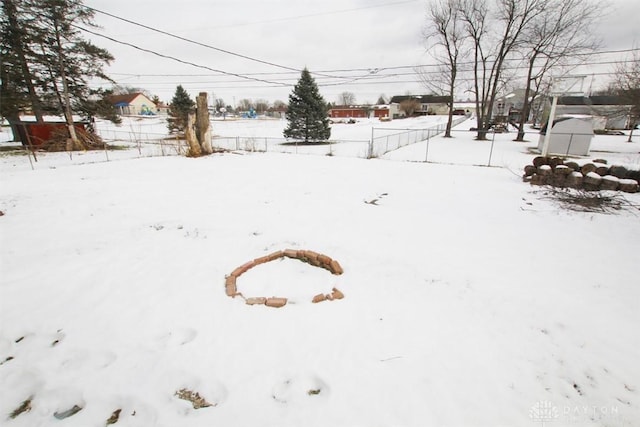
[203, 127]
[190, 136]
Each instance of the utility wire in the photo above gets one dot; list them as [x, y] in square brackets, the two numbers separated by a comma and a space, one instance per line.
[179, 60]
[228, 52]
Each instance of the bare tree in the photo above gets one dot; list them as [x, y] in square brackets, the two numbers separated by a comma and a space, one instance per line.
[244, 104]
[410, 106]
[562, 31]
[445, 37]
[262, 105]
[495, 35]
[347, 98]
[627, 85]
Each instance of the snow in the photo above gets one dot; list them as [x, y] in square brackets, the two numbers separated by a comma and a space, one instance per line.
[470, 299]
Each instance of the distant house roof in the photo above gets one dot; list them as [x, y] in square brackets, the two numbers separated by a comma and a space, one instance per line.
[126, 99]
[592, 100]
[423, 99]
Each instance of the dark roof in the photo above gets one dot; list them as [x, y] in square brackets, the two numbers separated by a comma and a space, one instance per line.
[423, 99]
[592, 100]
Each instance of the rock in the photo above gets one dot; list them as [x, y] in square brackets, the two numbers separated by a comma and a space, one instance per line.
[589, 167]
[529, 170]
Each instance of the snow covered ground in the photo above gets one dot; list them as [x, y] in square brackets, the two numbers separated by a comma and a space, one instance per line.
[471, 299]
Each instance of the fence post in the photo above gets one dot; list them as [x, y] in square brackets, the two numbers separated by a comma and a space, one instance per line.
[493, 138]
[371, 145]
[426, 155]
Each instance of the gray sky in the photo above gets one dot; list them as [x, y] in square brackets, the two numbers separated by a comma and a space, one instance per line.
[365, 47]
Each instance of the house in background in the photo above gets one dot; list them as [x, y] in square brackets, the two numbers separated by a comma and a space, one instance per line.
[348, 112]
[133, 104]
[359, 111]
[429, 105]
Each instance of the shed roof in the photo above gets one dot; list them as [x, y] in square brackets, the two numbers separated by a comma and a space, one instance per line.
[423, 99]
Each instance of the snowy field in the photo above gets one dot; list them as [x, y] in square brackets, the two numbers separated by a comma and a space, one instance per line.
[471, 299]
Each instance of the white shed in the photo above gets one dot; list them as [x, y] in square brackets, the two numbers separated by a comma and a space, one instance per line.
[569, 136]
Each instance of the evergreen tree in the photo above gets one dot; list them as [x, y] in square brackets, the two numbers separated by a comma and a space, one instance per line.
[181, 105]
[46, 62]
[307, 113]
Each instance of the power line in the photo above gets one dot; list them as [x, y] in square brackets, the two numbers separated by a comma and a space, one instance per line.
[176, 59]
[228, 52]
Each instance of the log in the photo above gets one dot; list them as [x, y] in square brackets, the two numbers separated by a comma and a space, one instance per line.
[529, 170]
[562, 170]
[602, 170]
[539, 179]
[540, 160]
[629, 185]
[573, 165]
[555, 161]
[544, 170]
[574, 180]
[589, 167]
[592, 181]
[619, 171]
[609, 182]
[256, 301]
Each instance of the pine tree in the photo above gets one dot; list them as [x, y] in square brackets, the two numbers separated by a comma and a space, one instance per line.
[46, 62]
[307, 112]
[179, 109]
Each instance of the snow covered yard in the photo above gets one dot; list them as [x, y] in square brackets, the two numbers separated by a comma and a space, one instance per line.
[470, 300]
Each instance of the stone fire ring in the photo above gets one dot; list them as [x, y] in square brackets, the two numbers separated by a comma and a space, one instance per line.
[313, 258]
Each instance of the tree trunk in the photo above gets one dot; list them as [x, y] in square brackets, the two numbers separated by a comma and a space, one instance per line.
[191, 137]
[524, 114]
[11, 12]
[203, 128]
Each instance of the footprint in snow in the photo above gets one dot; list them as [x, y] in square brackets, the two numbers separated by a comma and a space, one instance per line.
[298, 388]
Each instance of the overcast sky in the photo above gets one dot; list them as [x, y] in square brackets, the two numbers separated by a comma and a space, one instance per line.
[365, 47]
